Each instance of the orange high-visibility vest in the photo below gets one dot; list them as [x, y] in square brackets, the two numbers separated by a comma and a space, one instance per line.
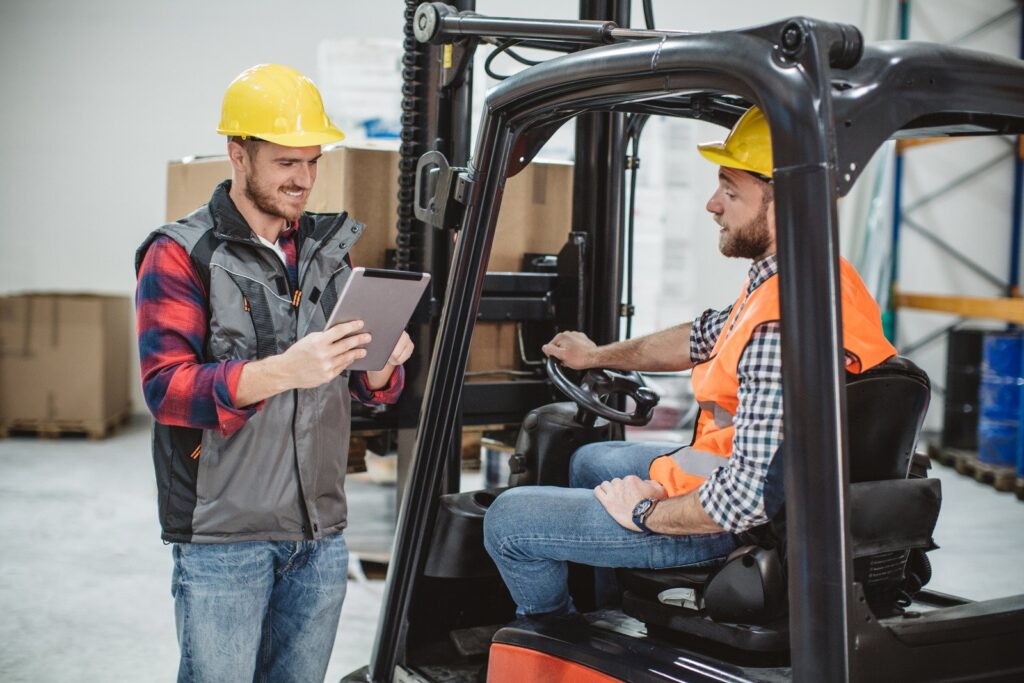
[715, 384]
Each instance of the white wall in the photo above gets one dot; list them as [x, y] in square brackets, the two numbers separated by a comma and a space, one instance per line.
[99, 95]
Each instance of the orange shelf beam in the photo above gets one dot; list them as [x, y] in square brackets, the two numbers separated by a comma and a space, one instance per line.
[997, 308]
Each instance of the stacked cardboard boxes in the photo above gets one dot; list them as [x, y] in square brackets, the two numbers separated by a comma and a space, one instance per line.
[363, 180]
[64, 362]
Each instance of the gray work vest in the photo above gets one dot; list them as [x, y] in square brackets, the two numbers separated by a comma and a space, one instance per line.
[281, 476]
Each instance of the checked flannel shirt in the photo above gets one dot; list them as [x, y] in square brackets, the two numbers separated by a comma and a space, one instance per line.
[171, 311]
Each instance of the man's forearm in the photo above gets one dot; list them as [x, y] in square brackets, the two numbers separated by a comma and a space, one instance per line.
[260, 380]
[682, 515]
[664, 351]
[376, 379]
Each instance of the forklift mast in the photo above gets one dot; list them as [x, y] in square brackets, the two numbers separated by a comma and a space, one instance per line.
[437, 81]
[437, 84]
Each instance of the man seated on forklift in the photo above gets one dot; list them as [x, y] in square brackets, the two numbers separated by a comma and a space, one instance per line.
[655, 505]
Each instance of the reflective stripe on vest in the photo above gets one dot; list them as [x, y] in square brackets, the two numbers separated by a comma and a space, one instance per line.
[721, 416]
[684, 470]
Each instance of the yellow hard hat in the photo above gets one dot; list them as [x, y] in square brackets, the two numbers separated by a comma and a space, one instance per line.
[278, 104]
[748, 146]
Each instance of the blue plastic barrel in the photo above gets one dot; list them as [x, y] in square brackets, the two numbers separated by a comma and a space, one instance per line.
[999, 399]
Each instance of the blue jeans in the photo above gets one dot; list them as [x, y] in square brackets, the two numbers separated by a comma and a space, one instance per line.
[258, 611]
[532, 532]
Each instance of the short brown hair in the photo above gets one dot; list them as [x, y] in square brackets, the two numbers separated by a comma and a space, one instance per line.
[249, 143]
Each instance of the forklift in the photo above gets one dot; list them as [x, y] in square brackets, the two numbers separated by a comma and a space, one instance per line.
[811, 597]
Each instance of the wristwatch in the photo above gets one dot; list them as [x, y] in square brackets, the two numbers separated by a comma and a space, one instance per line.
[642, 511]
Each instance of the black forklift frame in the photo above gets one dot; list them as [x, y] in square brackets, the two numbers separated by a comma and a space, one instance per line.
[830, 103]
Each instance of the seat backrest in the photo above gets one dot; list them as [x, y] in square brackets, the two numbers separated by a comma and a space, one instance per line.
[885, 407]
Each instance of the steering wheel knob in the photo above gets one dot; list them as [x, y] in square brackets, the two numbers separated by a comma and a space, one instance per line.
[645, 395]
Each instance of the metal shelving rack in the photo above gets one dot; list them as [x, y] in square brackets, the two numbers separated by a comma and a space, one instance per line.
[1009, 305]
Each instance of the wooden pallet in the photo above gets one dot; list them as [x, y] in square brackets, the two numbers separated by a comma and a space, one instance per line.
[55, 429]
[941, 455]
[1001, 477]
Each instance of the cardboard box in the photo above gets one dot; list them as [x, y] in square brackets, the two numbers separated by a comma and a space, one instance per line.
[536, 217]
[64, 362]
[367, 187]
[494, 348]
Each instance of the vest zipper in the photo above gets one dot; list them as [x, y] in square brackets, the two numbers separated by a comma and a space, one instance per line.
[308, 527]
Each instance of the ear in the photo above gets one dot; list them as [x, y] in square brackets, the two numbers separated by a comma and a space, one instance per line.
[236, 155]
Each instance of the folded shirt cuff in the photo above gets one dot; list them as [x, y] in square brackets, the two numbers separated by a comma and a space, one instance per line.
[385, 395]
[229, 417]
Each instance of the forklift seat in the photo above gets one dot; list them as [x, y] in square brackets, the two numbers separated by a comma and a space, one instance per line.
[743, 602]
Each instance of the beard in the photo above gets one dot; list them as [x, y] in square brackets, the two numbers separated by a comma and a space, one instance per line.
[750, 240]
[266, 199]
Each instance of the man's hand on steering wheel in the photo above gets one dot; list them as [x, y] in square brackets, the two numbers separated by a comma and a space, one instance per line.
[599, 392]
[574, 349]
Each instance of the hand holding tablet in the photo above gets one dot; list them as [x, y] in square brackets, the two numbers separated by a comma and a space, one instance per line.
[385, 301]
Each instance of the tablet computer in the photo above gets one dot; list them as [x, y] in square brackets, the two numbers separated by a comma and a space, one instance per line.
[384, 300]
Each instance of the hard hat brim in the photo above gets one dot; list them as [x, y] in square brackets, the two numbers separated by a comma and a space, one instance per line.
[715, 153]
[305, 139]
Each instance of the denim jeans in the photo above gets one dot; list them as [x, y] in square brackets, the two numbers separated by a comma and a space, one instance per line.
[532, 532]
[258, 611]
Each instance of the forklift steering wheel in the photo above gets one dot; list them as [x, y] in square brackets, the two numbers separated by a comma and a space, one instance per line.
[598, 387]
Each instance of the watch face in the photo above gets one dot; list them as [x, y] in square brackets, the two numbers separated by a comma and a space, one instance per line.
[642, 507]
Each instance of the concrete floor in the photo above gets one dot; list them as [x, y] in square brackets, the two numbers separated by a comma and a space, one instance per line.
[85, 579]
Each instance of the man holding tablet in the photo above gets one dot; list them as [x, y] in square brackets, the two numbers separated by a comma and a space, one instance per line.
[251, 394]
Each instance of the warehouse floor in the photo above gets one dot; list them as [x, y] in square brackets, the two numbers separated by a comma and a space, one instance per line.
[84, 578]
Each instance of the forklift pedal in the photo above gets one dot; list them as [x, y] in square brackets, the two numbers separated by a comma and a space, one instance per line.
[475, 641]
